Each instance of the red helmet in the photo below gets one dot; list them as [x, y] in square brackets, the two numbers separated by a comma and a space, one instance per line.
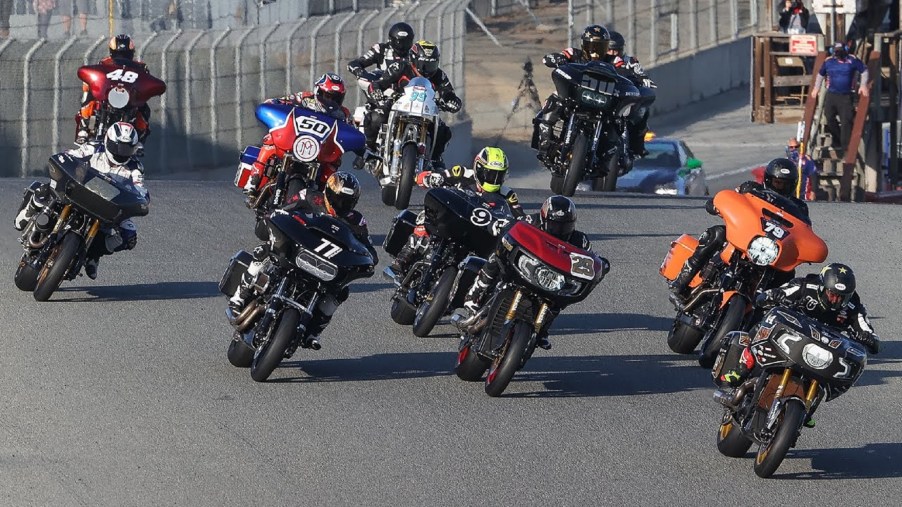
[330, 91]
[122, 46]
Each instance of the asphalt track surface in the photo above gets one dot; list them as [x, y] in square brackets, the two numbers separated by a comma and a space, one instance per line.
[118, 391]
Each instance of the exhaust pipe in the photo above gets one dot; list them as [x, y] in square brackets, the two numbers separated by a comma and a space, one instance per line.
[732, 399]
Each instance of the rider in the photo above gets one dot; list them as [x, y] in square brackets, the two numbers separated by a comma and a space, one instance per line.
[486, 178]
[115, 158]
[327, 97]
[340, 196]
[595, 42]
[780, 177]
[629, 67]
[556, 217]
[424, 62]
[122, 51]
[828, 297]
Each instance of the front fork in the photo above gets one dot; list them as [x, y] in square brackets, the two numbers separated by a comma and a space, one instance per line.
[779, 402]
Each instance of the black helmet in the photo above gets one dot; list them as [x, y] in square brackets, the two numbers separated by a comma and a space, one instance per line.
[617, 42]
[400, 37]
[837, 286]
[595, 41]
[122, 46]
[341, 193]
[781, 176]
[425, 55]
[558, 217]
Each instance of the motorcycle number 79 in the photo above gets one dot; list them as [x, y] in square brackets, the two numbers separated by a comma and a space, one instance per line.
[582, 266]
[774, 230]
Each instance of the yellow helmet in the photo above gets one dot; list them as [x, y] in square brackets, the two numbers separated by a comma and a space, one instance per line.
[490, 166]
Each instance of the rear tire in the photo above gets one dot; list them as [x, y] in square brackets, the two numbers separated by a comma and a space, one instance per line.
[502, 369]
[268, 357]
[770, 456]
[731, 321]
[401, 311]
[57, 266]
[609, 182]
[388, 195]
[470, 367]
[240, 354]
[430, 312]
[683, 338]
[26, 276]
[408, 175]
[577, 167]
[730, 440]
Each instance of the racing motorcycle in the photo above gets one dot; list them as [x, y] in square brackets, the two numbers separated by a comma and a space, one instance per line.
[82, 202]
[121, 88]
[459, 223]
[539, 273]
[311, 256]
[309, 141]
[799, 363]
[406, 139]
[765, 236]
[592, 142]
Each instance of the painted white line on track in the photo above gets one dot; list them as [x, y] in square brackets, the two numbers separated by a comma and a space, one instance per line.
[733, 172]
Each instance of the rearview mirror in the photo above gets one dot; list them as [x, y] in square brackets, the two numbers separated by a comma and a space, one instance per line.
[693, 163]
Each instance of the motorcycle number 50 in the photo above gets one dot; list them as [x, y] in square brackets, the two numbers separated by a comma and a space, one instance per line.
[774, 230]
[582, 266]
[126, 76]
[309, 125]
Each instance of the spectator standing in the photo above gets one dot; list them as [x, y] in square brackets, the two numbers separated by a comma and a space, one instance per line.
[69, 8]
[6, 10]
[794, 17]
[840, 70]
[43, 9]
[809, 169]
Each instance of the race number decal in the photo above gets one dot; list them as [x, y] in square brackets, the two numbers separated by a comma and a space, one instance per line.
[481, 217]
[582, 266]
[121, 75]
[327, 249]
[306, 148]
[310, 125]
[774, 229]
[418, 95]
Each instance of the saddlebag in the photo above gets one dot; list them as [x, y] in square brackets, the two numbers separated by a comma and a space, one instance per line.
[231, 279]
[246, 165]
[401, 229]
[680, 250]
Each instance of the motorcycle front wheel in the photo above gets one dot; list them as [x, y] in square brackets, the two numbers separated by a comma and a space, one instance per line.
[503, 368]
[57, 266]
[430, 312]
[408, 175]
[577, 168]
[26, 277]
[609, 182]
[268, 357]
[770, 456]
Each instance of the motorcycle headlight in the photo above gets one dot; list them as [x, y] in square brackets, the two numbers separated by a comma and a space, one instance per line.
[316, 266]
[816, 356]
[593, 99]
[548, 279]
[763, 251]
[668, 188]
[118, 98]
[626, 110]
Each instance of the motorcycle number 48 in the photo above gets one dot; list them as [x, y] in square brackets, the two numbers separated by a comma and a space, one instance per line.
[327, 249]
[582, 266]
[774, 230]
[126, 76]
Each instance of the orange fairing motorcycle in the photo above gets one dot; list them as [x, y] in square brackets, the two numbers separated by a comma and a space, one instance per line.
[766, 237]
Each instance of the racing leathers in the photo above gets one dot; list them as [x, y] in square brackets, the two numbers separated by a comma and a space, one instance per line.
[90, 105]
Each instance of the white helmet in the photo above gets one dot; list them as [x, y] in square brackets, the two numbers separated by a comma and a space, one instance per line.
[121, 142]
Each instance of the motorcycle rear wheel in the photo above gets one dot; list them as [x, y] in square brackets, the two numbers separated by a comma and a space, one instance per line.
[470, 366]
[730, 440]
[503, 368]
[577, 167]
[683, 338]
[57, 265]
[609, 182]
[770, 456]
[408, 175]
[268, 357]
[26, 276]
[731, 321]
[430, 312]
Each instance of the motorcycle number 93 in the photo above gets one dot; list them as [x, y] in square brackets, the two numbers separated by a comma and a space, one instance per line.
[582, 266]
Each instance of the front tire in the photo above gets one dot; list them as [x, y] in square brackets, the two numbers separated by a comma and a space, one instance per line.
[430, 312]
[408, 175]
[577, 168]
[268, 357]
[770, 456]
[57, 266]
[731, 321]
[683, 338]
[609, 182]
[26, 277]
[503, 368]
[730, 440]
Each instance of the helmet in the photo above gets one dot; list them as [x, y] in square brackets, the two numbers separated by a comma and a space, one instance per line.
[341, 193]
[400, 37]
[120, 143]
[781, 176]
[617, 43]
[558, 216]
[121, 46]
[595, 40]
[425, 56]
[837, 286]
[490, 166]
[330, 91]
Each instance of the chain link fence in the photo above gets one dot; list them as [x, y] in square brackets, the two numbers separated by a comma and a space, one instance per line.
[215, 79]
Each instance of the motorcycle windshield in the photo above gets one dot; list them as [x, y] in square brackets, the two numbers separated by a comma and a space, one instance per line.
[751, 216]
[326, 238]
[558, 254]
[103, 197]
[418, 98]
[132, 83]
[307, 134]
[464, 217]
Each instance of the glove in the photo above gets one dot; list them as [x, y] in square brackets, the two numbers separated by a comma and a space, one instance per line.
[870, 341]
[81, 137]
[430, 179]
[770, 299]
[355, 70]
[552, 60]
[375, 93]
[709, 207]
[452, 105]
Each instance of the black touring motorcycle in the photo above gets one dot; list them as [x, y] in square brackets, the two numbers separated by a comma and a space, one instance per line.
[310, 256]
[539, 275]
[799, 363]
[463, 228]
[591, 144]
[81, 202]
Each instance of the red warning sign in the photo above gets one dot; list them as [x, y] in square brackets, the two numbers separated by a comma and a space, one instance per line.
[803, 45]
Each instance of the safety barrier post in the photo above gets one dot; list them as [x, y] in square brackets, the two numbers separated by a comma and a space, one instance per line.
[26, 98]
[214, 103]
[338, 35]
[360, 48]
[313, 46]
[188, 110]
[263, 59]
[289, 55]
[164, 118]
[238, 90]
[57, 91]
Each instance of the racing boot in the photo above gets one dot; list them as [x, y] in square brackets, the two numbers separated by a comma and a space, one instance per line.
[473, 302]
[736, 376]
[542, 341]
[35, 204]
[543, 138]
[91, 267]
[680, 285]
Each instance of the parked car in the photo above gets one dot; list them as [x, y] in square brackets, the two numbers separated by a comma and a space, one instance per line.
[670, 168]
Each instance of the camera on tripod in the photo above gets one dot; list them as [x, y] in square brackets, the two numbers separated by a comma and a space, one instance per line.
[527, 67]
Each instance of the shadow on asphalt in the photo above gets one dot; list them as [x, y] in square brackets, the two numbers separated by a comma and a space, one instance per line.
[142, 292]
[590, 323]
[873, 461]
